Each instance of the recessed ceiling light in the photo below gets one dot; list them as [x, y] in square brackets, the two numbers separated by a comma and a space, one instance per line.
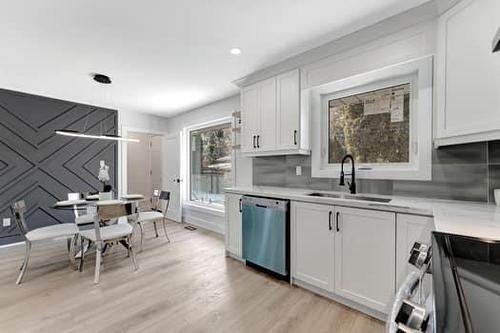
[235, 51]
[101, 78]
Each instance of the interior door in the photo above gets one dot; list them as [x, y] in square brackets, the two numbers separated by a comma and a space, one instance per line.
[156, 161]
[172, 175]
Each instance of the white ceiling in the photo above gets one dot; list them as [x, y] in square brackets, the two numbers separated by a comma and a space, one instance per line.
[164, 57]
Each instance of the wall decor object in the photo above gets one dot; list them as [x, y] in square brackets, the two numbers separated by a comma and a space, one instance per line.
[41, 167]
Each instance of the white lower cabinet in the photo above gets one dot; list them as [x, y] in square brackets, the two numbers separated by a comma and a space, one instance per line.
[410, 229]
[233, 224]
[312, 244]
[348, 252]
[365, 248]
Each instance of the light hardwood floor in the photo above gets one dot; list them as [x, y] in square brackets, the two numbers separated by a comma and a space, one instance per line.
[185, 286]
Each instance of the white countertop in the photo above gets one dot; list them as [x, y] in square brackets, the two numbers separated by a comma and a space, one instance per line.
[475, 219]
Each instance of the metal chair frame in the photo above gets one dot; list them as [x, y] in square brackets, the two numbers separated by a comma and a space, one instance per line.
[106, 213]
[18, 211]
[160, 202]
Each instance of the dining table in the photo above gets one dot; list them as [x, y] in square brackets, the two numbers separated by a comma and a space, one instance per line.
[89, 204]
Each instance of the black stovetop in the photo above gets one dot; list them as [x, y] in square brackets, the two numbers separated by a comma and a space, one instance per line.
[466, 283]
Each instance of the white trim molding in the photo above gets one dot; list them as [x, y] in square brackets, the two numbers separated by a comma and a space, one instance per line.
[419, 73]
[186, 156]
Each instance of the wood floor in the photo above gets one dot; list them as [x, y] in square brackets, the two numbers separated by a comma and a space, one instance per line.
[185, 286]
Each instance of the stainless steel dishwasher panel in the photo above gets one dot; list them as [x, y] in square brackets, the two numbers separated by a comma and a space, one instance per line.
[266, 233]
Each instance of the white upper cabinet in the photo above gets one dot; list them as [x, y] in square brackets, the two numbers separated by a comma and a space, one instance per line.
[288, 110]
[250, 118]
[365, 247]
[266, 133]
[468, 74]
[272, 122]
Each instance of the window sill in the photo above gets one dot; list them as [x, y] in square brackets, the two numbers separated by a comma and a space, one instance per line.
[216, 210]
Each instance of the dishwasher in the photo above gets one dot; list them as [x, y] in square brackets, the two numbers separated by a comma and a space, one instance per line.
[266, 235]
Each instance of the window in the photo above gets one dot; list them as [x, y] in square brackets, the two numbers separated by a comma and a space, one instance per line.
[374, 126]
[383, 118]
[210, 163]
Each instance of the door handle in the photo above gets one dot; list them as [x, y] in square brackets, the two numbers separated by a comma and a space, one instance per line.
[337, 221]
[258, 141]
[254, 141]
[330, 220]
[295, 137]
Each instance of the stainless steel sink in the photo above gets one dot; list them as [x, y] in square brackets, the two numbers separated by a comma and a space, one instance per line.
[326, 195]
[349, 197]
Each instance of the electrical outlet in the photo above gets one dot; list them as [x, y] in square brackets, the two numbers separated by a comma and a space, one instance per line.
[6, 222]
[298, 170]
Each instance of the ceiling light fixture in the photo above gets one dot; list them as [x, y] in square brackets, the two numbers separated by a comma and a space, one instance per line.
[79, 134]
[101, 78]
[104, 79]
[235, 51]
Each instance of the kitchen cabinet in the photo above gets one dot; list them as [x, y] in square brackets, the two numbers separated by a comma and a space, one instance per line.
[410, 229]
[250, 119]
[272, 120]
[365, 267]
[288, 110]
[233, 224]
[468, 74]
[312, 242]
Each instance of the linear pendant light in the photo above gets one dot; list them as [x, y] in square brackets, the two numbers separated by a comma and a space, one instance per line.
[102, 79]
[79, 134]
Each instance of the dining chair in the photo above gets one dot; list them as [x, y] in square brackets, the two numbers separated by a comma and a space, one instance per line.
[103, 235]
[158, 212]
[68, 230]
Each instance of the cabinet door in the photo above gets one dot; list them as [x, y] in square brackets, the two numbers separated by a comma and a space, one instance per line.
[365, 267]
[312, 244]
[249, 117]
[266, 139]
[233, 224]
[410, 229]
[288, 110]
[468, 73]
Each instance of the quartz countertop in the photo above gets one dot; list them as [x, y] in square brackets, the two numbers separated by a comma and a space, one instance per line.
[475, 219]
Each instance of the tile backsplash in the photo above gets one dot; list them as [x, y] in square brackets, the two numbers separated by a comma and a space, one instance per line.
[461, 172]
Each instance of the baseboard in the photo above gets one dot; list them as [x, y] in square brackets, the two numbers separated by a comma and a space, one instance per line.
[373, 313]
[12, 244]
[204, 223]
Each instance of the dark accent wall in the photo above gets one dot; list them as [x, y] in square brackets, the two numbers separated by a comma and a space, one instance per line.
[462, 172]
[41, 167]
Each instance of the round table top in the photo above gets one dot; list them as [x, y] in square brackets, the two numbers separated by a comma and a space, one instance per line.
[71, 204]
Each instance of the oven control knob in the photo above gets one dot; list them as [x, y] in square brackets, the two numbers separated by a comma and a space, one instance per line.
[420, 254]
[412, 317]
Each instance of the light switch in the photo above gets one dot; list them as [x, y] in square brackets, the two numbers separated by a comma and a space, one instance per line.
[6, 222]
[298, 170]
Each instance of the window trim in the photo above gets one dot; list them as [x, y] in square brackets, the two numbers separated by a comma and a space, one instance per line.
[416, 72]
[187, 152]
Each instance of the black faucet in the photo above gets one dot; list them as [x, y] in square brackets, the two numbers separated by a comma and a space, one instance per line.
[352, 184]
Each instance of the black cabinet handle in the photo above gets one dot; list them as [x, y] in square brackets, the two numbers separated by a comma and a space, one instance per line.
[295, 137]
[337, 221]
[258, 141]
[330, 220]
[241, 207]
[254, 141]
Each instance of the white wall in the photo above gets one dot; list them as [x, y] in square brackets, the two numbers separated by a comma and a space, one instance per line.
[212, 219]
[140, 122]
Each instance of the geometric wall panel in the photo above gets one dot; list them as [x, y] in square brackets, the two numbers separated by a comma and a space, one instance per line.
[41, 167]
